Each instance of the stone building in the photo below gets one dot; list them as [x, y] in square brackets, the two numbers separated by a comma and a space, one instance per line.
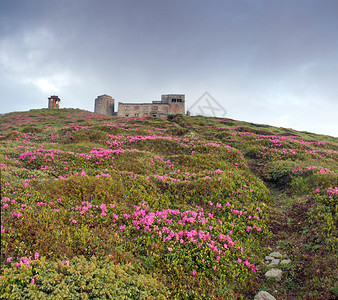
[53, 102]
[169, 104]
[104, 105]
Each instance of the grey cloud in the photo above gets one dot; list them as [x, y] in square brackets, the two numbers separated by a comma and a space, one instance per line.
[247, 53]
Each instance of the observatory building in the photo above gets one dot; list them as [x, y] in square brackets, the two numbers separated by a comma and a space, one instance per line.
[169, 104]
[104, 105]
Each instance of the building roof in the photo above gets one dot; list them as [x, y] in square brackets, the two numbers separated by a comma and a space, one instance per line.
[159, 103]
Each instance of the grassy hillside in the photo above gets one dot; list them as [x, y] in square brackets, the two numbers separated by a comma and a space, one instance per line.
[96, 207]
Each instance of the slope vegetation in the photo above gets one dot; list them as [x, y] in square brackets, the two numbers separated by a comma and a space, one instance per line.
[95, 207]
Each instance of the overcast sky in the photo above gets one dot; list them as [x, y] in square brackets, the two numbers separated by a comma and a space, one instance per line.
[265, 61]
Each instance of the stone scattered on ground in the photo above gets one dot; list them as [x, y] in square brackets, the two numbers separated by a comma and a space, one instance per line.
[285, 261]
[274, 263]
[269, 257]
[275, 259]
[274, 274]
[262, 295]
[276, 254]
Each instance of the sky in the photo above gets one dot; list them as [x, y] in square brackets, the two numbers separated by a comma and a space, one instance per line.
[270, 62]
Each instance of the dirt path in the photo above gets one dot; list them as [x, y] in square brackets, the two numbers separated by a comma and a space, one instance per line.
[309, 276]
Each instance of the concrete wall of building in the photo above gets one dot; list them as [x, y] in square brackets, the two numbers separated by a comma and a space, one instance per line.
[143, 110]
[169, 104]
[104, 105]
[176, 103]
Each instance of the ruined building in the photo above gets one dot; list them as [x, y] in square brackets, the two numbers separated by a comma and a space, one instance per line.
[53, 102]
[104, 105]
[169, 104]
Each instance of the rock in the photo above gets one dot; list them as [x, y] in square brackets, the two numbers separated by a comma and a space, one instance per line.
[274, 263]
[274, 274]
[269, 257]
[285, 261]
[276, 255]
[264, 296]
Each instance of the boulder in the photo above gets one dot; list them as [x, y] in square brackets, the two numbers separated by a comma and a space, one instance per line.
[274, 263]
[262, 295]
[285, 261]
[269, 257]
[274, 274]
[276, 254]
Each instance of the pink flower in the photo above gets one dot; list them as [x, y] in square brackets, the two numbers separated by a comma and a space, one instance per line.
[218, 257]
[74, 221]
[170, 249]
[214, 267]
[36, 255]
[103, 209]
[9, 259]
[193, 273]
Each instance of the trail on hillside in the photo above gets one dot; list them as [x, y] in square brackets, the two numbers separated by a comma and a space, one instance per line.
[295, 234]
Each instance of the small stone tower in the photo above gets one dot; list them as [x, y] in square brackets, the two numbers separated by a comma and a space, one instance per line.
[53, 102]
[104, 105]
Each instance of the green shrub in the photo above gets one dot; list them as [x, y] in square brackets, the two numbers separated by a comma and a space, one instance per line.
[81, 279]
[280, 171]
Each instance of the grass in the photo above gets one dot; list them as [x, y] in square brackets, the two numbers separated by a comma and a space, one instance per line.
[185, 208]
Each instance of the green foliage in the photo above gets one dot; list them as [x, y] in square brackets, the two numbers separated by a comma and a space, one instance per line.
[280, 171]
[334, 290]
[79, 279]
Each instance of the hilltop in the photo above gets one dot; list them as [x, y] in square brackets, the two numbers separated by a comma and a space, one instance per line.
[97, 207]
